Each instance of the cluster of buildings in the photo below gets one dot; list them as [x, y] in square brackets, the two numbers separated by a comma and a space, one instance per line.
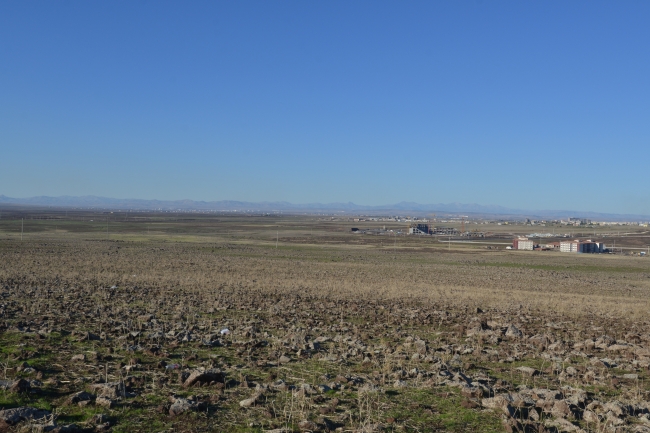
[580, 222]
[397, 218]
[587, 246]
[577, 221]
[573, 246]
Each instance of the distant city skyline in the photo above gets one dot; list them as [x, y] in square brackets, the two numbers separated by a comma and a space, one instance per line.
[521, 105]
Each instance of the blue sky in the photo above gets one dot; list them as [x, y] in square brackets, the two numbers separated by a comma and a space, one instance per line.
[531, 105]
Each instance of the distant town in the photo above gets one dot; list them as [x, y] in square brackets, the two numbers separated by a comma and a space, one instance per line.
[565, 235]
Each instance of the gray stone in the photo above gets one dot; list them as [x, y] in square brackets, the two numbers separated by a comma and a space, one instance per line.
[250, 401]
[104, 402]
[20, 385]
[514, 332]
[79, 397]
[528, 371]
[181, 405]
[109, 390]
[10, 417]
[590, 416]
[201, 377]
[560, 409]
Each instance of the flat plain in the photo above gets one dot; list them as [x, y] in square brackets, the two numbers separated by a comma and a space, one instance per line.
[190, 322]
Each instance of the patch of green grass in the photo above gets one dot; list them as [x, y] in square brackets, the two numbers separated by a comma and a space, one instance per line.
[10, 400]
[155, 399]
[76, 414]
[439, 409]
[9, 342]
[140, 420]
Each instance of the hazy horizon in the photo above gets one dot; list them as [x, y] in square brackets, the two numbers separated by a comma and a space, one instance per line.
[348, 208]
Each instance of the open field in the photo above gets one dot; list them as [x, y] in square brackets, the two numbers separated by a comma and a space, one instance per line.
[113, 322]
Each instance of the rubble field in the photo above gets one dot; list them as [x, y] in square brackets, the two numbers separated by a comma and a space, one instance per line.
[234, 334]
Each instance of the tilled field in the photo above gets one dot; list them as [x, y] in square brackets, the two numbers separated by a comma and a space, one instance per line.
[218, 336]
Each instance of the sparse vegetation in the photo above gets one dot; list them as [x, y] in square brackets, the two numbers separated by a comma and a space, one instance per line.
[326, 332]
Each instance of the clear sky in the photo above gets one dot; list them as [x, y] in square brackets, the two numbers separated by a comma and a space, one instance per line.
[525, 104]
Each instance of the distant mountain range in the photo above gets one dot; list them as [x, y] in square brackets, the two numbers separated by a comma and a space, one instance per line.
[441, 209]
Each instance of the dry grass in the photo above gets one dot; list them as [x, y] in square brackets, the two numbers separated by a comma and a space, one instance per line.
[616, 286]
[199, 277]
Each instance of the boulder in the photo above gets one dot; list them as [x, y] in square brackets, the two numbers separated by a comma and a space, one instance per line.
[104, 402]
[20, 385]
[560, 409]
[11, 417]
[250, 401]
[79, 397]
[202, 377]
[500, 402]
[182, 405]
[514, 332]
[590, 416]
[109, 390]
[471, 391]
[562, 425]
[617, 408]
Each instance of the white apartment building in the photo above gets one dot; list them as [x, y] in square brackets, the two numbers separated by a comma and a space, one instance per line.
[569, 246]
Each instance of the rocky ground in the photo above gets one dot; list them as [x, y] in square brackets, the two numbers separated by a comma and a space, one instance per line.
[79, 353]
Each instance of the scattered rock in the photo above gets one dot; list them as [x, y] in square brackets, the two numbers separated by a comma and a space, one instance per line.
[182, 405]
[109, 390]
[250, 401]
[12, 417]
[20, 385]
[203, 377]
[590, 416]
[514, 332]
[79, 397]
